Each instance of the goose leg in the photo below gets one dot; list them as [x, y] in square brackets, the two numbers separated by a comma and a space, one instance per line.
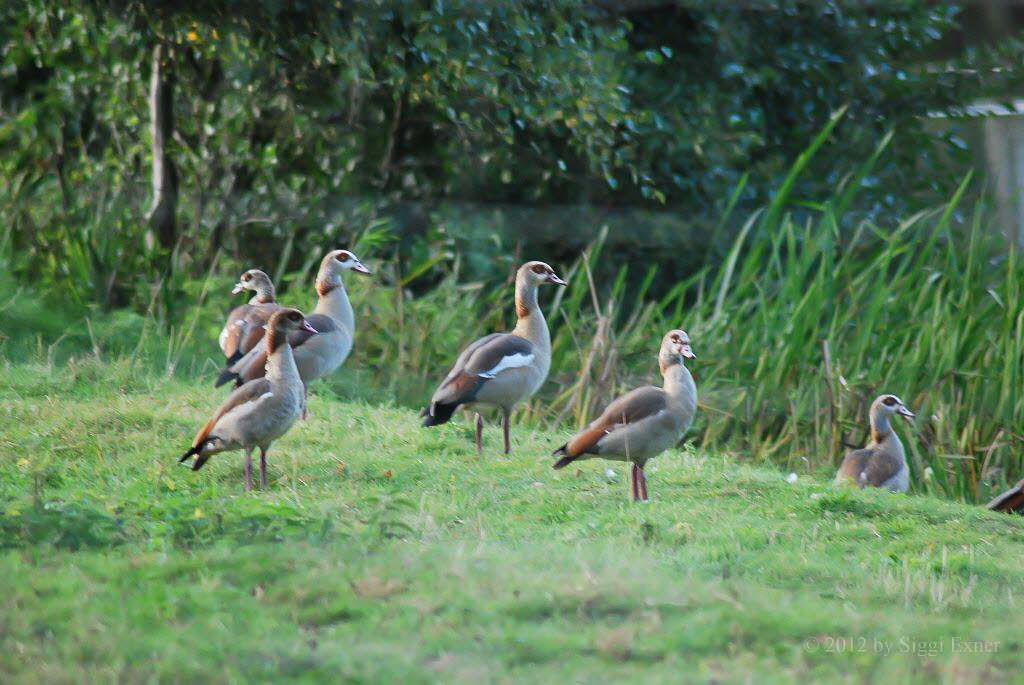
[263, 469]
[305, 400]
[643, 484]
[248, 469]
[635, 483]
[504, 429]
[479, 434]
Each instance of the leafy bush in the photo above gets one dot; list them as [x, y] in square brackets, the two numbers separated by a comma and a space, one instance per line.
[296, 128]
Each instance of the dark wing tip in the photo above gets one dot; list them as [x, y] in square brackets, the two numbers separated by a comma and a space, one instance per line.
[225, 376]
[564, 461]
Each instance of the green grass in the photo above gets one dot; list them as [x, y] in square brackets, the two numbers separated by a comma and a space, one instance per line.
[386, 552]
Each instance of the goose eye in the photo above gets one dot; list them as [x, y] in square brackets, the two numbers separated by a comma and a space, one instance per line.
[246, 277]
[889, 401]
[538, 269]
[342, 257]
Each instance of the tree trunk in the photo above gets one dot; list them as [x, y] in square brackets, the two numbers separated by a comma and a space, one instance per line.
[163, 229]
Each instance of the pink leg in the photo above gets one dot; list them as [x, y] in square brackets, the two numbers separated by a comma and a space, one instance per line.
[504, 428]
[263, 469]
[305, 400]
[643, 484]
[248, 470]
[635, 483]
[479, 434]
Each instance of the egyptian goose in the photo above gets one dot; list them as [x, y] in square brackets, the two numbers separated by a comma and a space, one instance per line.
[644, 422]
[501, 369]
[882, 463]
[319, 354]
[262, 410]
[245, 325]
[1011, 501]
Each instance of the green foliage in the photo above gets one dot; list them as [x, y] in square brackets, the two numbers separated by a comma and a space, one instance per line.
[464, 128]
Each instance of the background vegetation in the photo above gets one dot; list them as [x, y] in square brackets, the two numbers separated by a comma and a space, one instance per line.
[469, 129]
[761, 175]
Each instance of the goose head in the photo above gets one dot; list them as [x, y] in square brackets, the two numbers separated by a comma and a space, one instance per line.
[253, 279]
[675, 348]
[888, 405]
[339, 261]
[334, 264]
[284, 321]
[539, 273]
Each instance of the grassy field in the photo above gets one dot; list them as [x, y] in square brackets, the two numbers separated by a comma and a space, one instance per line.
[383, 551]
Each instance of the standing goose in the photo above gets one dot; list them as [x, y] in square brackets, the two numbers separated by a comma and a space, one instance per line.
[501, 369]
[882, 463]
[262, 410]
[316, 354]
[245, 325]
[644, 422]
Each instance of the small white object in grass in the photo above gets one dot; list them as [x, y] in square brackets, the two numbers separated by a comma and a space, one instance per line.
[611, 475]
[537, 484]
[928, 473]
[816, 495]
[791, 479]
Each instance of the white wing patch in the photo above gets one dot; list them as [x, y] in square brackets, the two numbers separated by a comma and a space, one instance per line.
[265, 396]
[223, 336]
[512, 361]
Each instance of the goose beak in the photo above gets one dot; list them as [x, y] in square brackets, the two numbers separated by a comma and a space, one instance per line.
[903, 411]
[687, 352]
[307, 327]
[556, 280]
[237, 289]
[359, 267]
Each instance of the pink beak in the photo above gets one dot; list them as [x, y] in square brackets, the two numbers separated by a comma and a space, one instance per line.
[556, 280]
[359, 267]
[903, 411]
[307, 327]
[687, 352]
[237, 289]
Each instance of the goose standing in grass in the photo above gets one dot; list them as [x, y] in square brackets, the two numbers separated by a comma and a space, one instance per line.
[316, 354]
[262, 410]
[882, 463]
[245, 325]
[501, 369]
[644, 422]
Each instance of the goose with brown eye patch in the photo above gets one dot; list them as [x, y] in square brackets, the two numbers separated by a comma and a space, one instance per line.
[502, 369]
[245, 325]
[644, 422]
[262, 410]
[320, 354]
[882, 463]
